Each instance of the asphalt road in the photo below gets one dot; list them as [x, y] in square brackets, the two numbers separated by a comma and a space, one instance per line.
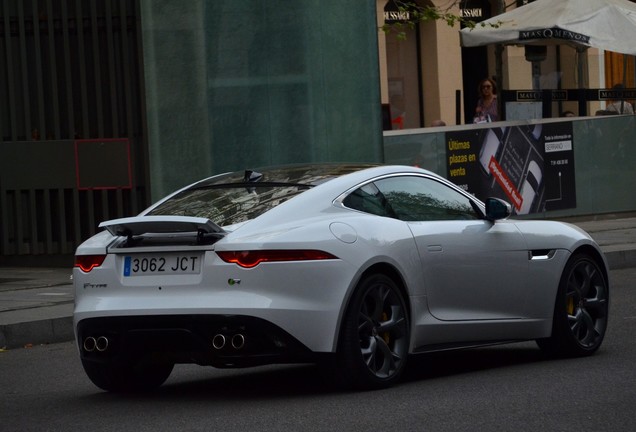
[505, 388]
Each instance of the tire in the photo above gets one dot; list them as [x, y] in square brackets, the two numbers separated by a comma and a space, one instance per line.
[580, 311]
[375, 335]
[127, 377]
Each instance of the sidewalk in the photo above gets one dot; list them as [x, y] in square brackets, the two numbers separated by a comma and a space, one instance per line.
[36, 304]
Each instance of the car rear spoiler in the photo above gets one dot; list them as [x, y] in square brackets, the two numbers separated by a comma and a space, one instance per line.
[140, 225]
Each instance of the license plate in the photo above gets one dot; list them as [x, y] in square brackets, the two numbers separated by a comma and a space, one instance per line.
[163, 264]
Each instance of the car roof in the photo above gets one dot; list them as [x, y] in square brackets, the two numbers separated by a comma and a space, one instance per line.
[335, 177]
[305, 174]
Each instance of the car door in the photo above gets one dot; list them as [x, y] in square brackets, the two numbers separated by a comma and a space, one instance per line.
[473, 269]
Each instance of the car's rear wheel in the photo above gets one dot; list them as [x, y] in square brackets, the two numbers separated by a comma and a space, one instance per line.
[581, 309]
[130, 376]
[374, 342]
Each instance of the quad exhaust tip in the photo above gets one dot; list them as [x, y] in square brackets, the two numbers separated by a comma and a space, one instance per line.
[237, 341]
[218, 342]
[101, 344]
[91, 344]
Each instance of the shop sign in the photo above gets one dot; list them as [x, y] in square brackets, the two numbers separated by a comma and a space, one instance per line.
[553, 33]
[559, 95]
[527, 95]
[394, 14]
[474, 10]
[471, 13]
[616, 94]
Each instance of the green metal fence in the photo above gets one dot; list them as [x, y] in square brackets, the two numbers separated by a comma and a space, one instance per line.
[69, 70]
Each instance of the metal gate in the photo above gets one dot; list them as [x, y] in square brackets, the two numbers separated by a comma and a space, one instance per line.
[70, 73]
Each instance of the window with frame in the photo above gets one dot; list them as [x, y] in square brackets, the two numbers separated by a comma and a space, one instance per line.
[412, 198]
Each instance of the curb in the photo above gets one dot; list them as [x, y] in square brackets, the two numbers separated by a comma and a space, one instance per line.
[621, 259]
[40, 332]
[37, 326]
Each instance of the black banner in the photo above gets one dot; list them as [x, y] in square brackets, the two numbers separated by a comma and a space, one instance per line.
[530, 166]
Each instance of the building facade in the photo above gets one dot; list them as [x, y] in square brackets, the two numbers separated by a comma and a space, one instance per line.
[427, 75]
[108, 105]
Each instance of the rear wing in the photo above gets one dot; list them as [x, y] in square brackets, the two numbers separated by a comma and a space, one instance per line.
[140, 225]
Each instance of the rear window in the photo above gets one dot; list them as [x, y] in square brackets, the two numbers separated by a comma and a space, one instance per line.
[229, 204]
[229, 199]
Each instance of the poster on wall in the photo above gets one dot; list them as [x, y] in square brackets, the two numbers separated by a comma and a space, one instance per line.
[530, 166]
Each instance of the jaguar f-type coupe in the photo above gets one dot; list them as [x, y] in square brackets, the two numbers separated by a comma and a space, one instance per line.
[353, 266]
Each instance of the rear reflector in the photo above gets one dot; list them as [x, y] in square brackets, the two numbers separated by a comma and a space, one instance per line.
[86, 263]
[249, 259]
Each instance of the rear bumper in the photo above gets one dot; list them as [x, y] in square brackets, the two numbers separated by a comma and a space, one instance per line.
[215, 340]
[305, 299]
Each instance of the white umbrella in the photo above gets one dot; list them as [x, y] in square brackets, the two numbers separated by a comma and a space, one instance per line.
[604, 24]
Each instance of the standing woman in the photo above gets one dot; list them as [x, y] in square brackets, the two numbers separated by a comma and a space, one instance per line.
[486, 110]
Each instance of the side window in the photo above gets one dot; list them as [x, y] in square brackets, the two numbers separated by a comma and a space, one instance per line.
[414, 198]
[369, 199]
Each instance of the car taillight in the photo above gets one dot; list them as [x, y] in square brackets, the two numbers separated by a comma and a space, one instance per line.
[249, 259]
[88, 262]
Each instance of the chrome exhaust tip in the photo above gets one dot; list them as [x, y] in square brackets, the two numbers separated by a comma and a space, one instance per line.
[218, 341]
[101, 344]
[89, 344]
[238, 341]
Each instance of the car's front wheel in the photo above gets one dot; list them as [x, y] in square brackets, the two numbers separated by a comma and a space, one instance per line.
[374, 341]
[581, 309]
[129, 376]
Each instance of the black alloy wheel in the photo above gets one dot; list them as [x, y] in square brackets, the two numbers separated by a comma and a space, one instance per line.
[375, 335]
[581, 309]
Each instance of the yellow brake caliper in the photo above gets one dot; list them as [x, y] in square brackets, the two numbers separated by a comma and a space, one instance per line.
[570, 305]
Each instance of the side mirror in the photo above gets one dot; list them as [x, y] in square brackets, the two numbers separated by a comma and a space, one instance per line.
[497, 209]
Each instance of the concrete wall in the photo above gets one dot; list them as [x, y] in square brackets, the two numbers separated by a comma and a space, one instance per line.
[234, 85]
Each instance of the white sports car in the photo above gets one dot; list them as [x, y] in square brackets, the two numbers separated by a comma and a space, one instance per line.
[358, 266]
